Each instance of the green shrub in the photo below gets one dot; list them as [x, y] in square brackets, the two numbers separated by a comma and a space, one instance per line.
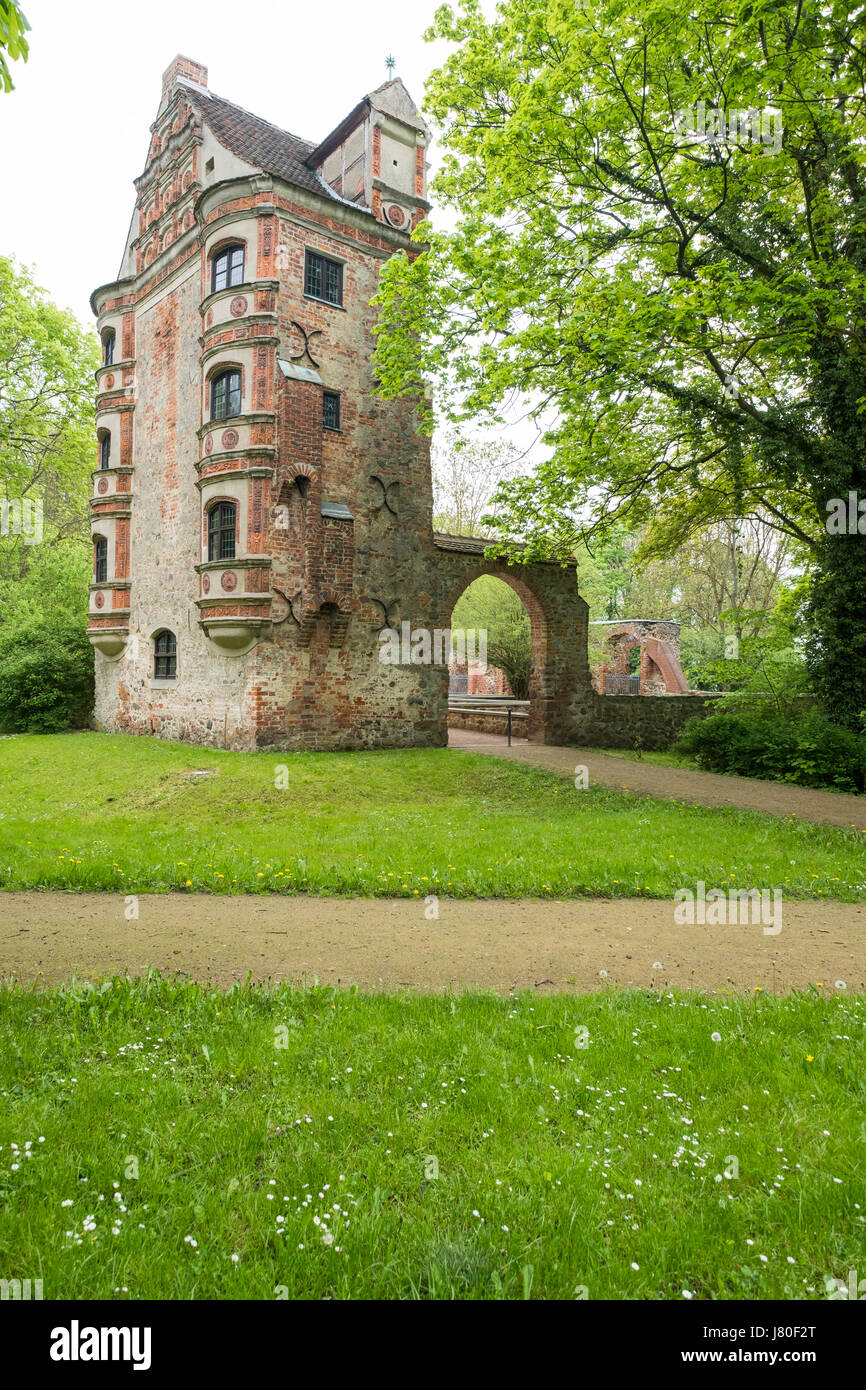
[810, 751]
[46, 676]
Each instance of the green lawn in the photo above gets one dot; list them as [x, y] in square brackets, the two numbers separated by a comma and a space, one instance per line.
[97, 811]
[177, 1143]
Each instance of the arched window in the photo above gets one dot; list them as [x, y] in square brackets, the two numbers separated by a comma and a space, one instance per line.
[165, 656]
[108, 348]
[105, 451]
[100, 559]
[227, 268]
[221, 531]
[225, 395]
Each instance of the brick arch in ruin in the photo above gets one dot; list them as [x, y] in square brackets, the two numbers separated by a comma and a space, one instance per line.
[659, 654]
[559, 674]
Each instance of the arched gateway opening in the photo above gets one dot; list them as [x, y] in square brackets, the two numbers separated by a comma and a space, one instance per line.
[498, 652]
[558, 677]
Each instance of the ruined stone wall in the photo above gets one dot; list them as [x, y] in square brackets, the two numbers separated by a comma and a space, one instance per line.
[626, 721]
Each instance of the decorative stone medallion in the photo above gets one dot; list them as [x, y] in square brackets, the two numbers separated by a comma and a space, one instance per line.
[229, 581]
[230, 439]
[209, 320]
[99, 600]
[108, 383]
[208, 444]
[396, 216]
[102, 486]
[238, 307]
[205, 584]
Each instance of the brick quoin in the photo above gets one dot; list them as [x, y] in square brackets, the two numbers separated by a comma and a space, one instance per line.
[278, 645]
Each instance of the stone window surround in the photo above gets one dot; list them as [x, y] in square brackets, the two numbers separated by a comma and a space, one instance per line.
[216, 369]
[236, 492]
[96, 538]
[161, 683]
[216, 250]
[207, 508]
[103, 434]
[104, 526]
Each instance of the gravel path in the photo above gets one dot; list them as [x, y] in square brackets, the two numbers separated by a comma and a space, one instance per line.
[389, 944]
[679, 783]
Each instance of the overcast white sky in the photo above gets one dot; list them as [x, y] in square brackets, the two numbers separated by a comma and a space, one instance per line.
[74, 133]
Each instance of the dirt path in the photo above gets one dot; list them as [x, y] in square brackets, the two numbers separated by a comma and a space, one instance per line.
[680, 783]
[389, 944]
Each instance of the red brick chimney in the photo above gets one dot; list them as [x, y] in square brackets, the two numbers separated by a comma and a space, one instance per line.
[182, 67]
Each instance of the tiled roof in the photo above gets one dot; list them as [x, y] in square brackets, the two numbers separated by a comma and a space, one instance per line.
[467, 545]
[258, 142]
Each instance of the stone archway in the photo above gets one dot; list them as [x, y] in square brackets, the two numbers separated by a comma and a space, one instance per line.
[559, 674]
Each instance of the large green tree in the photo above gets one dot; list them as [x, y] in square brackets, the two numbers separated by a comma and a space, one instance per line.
[47, 450]
[13, 44]
[660, 241]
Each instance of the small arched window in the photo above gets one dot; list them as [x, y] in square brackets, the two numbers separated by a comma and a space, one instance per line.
[105, 451]
[221, 531]
[227, 268]
[100, 559]
[108, 348]
[225, 395]
[165, 656]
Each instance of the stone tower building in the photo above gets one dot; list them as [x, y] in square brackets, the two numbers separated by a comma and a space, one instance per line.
[259, 515]
[256, 506]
